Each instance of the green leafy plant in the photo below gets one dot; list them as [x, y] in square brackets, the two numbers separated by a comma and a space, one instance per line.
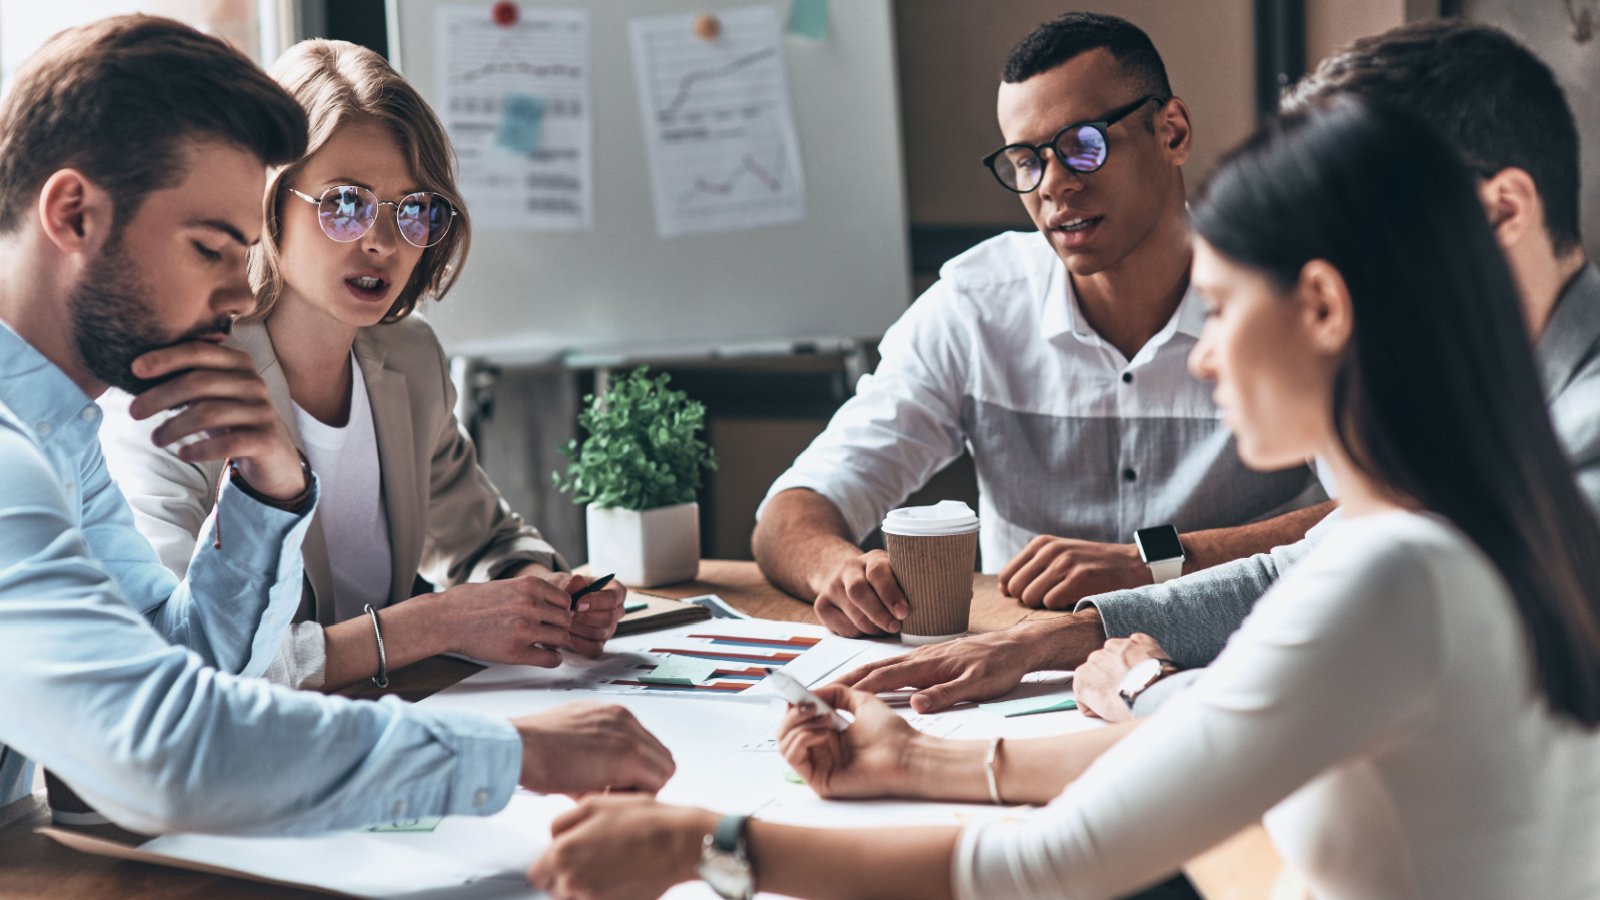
[643, 448]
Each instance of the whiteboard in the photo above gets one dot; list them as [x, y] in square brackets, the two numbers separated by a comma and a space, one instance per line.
[841, 272]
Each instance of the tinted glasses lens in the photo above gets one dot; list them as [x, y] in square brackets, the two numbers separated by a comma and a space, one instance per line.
[347, 212]
[1019, 168]
[1083, 149]
[423, 218]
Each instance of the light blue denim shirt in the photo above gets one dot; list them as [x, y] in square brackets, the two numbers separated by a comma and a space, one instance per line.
[153, 734]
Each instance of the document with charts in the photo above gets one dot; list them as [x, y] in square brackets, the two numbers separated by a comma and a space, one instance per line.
[718, 659]
[718, 122]
[515, 101]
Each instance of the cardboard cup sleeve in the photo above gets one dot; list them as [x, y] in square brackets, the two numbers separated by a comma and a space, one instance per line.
[935, 572]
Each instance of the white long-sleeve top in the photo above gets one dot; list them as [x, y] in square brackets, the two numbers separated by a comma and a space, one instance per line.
[1379, 707]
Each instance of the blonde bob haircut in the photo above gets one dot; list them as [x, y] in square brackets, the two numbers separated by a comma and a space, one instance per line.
[339, 83]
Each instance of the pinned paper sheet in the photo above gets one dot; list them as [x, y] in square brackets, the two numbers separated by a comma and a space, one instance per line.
[1027, 706]
[809, 18]
[685, 671]
[513, 93]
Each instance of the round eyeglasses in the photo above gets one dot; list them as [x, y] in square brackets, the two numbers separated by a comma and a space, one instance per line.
[1081, 147]
[347, 212]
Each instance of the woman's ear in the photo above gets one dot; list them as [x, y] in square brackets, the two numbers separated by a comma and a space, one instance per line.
[1512, 203]
[1325, 307]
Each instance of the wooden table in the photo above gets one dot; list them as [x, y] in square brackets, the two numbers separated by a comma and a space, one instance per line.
[31, 865]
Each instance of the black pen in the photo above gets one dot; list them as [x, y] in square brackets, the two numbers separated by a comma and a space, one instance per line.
[591, 587]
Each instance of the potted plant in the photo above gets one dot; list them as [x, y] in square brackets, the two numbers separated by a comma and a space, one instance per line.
[638, 470]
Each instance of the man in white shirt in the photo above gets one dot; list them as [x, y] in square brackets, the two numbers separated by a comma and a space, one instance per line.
[1056, 358]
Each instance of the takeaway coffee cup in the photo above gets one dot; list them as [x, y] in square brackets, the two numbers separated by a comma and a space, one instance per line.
[932, 550]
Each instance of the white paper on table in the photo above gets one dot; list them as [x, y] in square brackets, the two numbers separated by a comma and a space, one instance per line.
[515, 100]
[719, 125]
[464, 856]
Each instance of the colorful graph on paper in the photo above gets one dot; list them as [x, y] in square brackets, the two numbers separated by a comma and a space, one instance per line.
[723, 659]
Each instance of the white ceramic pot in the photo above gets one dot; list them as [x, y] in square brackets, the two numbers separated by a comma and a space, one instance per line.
[648, 548]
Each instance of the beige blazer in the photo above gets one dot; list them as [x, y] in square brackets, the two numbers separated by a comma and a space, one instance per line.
[447, 522]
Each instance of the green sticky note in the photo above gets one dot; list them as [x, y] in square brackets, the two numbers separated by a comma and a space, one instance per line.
[1027, 706]
[684, 671]
[809, 18]
[793, 777]
[409, 825]
[521, 123]
[629, 606]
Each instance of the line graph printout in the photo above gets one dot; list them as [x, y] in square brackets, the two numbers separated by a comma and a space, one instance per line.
[718, 123]
[515, 100]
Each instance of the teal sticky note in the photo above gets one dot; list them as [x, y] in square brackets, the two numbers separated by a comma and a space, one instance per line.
[521, 123]
[409, 825]
[1027, 706]
[683, 671]
[809, 18]
[629, 606]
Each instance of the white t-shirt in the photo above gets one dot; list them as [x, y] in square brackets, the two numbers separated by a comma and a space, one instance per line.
[1379, 706]
[351, 510]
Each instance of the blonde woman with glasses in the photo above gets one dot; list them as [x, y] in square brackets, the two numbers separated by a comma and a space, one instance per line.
[359, 232]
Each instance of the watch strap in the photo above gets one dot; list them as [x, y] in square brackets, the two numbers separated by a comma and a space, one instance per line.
[1166, 569]
[729, 836]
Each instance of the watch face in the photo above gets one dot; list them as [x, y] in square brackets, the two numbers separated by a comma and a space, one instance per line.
[1141, 676]
[1158, 543]
[726, 875]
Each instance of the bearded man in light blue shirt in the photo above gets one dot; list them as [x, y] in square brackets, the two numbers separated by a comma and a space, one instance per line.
[132, 166]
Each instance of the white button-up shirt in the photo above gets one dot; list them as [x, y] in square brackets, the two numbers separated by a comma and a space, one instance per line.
[1070, 437]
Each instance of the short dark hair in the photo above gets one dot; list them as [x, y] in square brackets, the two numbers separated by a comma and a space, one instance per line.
[116, 98]
[1075, 33]
[1438, 387]
[1491, 98]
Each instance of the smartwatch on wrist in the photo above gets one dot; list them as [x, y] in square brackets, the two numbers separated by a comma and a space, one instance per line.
[1142, 675]
[725, 860]
[1161, 550]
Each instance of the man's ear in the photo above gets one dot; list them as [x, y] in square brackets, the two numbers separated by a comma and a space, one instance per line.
[1512, 203]
[75, 214]
[1174, 131]
[1326, 310]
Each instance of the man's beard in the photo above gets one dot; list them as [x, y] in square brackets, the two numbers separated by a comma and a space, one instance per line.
[113, 322]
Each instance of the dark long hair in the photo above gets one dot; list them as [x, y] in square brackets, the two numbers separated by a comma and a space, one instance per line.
[1437, 396]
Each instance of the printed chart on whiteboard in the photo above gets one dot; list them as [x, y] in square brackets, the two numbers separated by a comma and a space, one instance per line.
[514, 97]
[718, 122]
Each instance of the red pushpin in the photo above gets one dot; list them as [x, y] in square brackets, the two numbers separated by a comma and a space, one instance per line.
[504, 13]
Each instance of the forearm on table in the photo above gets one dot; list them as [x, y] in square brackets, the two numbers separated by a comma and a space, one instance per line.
[1061, 642]
[1033, 771]
[412, 631]
[1204, 549]
[880, 862]
[800, 537]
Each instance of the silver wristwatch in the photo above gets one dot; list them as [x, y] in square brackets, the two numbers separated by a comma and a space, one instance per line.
[1143, 674]
[725, 860]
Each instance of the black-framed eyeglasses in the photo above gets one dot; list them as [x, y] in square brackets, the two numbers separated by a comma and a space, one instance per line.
[347, 212]
[1081, 147]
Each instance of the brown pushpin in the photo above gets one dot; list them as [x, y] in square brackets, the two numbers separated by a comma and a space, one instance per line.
[707, 26]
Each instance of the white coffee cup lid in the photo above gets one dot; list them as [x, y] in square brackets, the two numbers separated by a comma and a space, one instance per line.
[944, 517]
